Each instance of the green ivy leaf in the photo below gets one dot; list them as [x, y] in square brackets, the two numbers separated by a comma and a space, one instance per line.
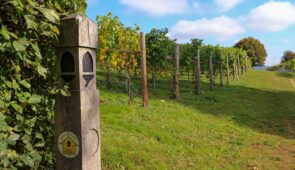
[26, 139]
[25, 84]
[35, 99]
[36, 156]
[4, 32]
[15, 84]
[17, 107]
[5, 161]
[39, 136]
[42, 71]
[51, 15]
[30, 20]
[28, 160]
[13, 137]
[37, 50]
[65, 92]
[19, 45]
[7, 95]
[19, 117]
[40, 144]
[2, 104]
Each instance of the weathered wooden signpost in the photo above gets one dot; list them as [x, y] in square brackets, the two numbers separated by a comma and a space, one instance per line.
[77, 116]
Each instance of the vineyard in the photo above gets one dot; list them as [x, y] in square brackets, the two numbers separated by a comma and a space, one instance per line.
[119, 47]
[163, 104]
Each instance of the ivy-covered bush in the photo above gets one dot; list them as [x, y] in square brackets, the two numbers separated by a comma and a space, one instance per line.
[28, 42]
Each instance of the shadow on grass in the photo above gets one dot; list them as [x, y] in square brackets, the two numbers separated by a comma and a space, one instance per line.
[286, 74]
[271, 112]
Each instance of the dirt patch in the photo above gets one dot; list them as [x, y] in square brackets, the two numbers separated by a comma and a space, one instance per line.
[281, 157]
[292, 81]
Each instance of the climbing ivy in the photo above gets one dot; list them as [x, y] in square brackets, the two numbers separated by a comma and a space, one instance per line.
[28, 37]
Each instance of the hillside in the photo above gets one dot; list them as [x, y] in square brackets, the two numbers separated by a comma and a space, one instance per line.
[247, 125]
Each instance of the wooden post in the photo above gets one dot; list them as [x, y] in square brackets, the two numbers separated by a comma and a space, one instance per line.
[77, 131]
[211, 72]
[228, 72]
[221, 72]
[175, 81]
[126, 81]
[143, 71]
[239, 68]
[198, 74]
[234, 72]
[246, 69]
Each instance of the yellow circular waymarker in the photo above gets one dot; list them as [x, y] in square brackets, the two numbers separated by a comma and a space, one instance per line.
[68, 144]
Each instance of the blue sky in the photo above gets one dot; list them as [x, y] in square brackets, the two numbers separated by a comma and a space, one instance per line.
[221, 22]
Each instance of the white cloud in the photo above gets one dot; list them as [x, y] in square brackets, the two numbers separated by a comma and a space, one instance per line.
[271, 16]
[225, 5]
[221, 28]
[285, 41]
[158, 7]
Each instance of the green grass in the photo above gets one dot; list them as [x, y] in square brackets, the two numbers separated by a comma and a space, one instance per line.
[249, 124]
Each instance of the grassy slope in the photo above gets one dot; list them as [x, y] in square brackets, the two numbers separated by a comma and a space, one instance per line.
[246, 125]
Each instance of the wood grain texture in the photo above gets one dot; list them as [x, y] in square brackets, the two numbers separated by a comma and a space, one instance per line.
[79, 112]
[144, 84]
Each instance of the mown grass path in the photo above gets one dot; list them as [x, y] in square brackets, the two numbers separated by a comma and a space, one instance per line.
[247, 125]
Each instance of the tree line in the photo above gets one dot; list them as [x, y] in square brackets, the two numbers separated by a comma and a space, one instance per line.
[287, 62]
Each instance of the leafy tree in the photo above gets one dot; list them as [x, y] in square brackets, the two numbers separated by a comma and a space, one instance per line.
[255, 50]
[287, 56]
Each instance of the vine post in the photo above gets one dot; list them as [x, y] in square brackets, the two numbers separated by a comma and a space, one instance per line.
[175, 80]
[198, 73]
[227, 69]
[221, 72]
[143, 71]
[246, 67]
[234, 71]
[239, 67]
[211, 72]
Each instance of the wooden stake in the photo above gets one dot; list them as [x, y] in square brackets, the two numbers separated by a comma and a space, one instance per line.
[143, 71]
[175, 81]
[239, 68]
[197, 74]
[220, 73]
[234, 72]
[211, 72]
[227, 74]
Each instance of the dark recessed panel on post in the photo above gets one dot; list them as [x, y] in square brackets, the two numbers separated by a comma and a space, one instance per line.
[87, 68]
[87, 63]
[67, 67]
